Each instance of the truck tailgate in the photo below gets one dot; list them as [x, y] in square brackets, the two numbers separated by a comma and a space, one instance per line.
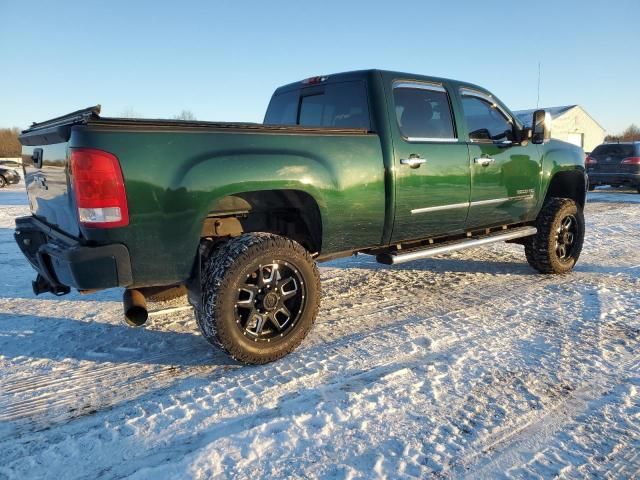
[45, 159]
[47, 182]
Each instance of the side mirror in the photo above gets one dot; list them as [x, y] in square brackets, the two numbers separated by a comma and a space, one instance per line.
[524, 135]
[541, 126]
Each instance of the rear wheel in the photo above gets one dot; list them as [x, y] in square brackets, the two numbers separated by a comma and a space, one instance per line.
[3, 182]
[557, 245]
[260, 297]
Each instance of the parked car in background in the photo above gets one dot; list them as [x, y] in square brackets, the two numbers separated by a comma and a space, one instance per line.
[8, 163]
[8, 176]
[614, 164]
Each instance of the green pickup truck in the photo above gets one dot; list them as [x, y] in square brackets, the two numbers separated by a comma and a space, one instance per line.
[390, 164]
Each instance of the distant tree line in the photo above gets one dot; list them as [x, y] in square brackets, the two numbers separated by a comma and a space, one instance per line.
[185, 115]
[9, 143]
[129, 112]
[631, 134]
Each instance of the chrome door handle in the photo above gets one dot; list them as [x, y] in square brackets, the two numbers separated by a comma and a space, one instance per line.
[484, 161]
[413, 162]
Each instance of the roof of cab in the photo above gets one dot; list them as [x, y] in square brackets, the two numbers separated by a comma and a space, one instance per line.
[363, 74]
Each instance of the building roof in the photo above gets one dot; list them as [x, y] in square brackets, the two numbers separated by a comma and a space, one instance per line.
[525, 115]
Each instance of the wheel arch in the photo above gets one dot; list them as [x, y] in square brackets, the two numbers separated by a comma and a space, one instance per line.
[292, 213]
[568, 184]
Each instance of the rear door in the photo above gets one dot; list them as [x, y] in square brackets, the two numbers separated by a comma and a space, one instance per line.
[505, 176]
[431, 164]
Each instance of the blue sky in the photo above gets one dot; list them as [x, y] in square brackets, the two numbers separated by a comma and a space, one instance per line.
[222, 59]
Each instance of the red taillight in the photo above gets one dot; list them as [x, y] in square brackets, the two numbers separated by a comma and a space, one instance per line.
[99, 189]
[631, 161]
[590, 161]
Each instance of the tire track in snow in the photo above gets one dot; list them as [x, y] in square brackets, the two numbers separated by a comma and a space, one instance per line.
[533, 431]
[85, 378]
[376, 355]
[375, 364]
[65, 397]
[363, 346]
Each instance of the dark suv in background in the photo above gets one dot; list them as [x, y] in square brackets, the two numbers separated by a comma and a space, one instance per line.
[614, 164]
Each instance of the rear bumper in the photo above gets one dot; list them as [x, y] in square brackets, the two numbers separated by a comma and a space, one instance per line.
[63, 262]
[632, 179]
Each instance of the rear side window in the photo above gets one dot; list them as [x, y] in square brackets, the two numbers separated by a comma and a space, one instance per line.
[337, 105]
[485, 120]
[423, 112]
[283, 109]
[613, 150]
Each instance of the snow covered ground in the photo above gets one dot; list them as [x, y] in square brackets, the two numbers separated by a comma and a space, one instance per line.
[467, 365]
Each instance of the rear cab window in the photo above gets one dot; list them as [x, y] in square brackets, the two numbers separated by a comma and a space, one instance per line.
[333, 105]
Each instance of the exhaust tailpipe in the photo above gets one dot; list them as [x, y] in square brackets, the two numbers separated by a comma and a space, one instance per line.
[135, 308]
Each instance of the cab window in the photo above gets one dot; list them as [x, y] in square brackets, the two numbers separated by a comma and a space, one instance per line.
[334, 105]
[485, 120]
[338, 105]
[423, 112]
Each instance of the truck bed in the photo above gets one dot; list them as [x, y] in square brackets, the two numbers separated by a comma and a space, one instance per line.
[91, 116]
[178, 172]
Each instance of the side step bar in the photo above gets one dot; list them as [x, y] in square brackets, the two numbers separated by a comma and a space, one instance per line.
[402, 256]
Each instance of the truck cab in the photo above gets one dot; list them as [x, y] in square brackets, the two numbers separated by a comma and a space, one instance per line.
[455, 157]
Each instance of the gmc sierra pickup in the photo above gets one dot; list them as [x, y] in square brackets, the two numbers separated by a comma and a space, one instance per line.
[390, 164]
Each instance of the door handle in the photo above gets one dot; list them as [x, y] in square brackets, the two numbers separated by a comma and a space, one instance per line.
[414, 161]
[484, 161]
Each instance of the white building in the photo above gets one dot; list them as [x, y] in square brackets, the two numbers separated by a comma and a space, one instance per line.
[570, 123]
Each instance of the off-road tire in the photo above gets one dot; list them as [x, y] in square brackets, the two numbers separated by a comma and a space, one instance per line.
[541, 250]
[222, 273]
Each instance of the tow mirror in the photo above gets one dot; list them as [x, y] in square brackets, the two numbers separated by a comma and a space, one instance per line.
[541, 126]
[524, 135]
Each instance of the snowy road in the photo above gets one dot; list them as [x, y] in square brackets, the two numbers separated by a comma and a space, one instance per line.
[467, 365]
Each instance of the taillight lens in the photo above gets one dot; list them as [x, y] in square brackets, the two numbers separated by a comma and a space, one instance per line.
[631, 161]
[99, 189]
[590, 161]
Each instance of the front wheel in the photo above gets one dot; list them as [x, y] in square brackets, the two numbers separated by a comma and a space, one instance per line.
[260, 297]
[3, 182]
[557, 245]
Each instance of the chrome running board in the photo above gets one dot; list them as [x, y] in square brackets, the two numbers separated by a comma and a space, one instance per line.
[402, 256]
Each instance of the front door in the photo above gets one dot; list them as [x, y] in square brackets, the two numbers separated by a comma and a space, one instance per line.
[505, 175]
[431, 164]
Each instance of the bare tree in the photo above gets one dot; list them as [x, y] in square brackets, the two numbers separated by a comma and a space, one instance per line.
[9, 143]
[631, 133]
[185, 115]
[129, 112]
